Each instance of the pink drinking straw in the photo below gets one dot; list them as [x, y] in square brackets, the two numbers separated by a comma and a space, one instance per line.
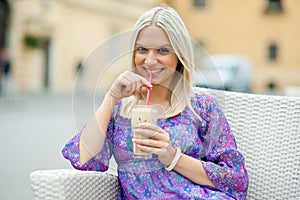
[149, 89]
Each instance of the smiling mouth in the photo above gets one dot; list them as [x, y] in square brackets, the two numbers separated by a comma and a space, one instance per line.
[153, 71]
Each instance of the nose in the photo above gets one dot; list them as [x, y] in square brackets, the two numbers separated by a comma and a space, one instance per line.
[151, 58]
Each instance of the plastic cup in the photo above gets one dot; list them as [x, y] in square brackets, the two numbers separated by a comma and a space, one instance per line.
[142, 114]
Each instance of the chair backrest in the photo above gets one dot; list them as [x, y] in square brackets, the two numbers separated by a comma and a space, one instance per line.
[267, 131]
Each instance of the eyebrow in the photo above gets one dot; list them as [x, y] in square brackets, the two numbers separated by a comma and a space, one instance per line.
[164, 45]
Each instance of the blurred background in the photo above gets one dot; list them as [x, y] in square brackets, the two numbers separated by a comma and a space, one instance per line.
[44, 43]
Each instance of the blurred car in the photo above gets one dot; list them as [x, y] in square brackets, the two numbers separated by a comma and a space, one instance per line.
[226, 72]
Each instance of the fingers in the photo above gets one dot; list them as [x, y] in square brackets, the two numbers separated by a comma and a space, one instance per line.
[161, 148]
[148, 149]
[142, 80]
[152, 131]
[129, 83]
[137, 79]
[154, 144]
[141, 84]
[141, 89]
[157, 137]
[158, 142]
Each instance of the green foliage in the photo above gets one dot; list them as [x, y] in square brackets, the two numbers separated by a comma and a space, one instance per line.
[31, 41]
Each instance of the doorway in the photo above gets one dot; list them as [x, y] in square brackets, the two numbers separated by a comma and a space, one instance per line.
[4, 19]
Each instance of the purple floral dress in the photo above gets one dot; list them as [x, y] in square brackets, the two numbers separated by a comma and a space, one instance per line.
[209, 141]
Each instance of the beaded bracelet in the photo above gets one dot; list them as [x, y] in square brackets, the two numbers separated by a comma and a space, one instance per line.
[175, 160]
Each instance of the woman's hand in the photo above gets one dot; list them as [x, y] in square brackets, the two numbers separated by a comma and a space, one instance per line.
[158, 142]
[128, 83]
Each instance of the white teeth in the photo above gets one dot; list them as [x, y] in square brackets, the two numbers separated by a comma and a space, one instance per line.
[153, 71]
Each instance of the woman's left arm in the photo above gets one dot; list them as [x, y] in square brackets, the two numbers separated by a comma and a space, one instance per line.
[223, 166]
[229, 176]
[192, 169]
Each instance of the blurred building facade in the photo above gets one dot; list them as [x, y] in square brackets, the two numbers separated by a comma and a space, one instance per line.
[47, 39]
[266, 31]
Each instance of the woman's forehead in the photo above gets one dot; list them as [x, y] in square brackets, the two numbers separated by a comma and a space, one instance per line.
[153, 36]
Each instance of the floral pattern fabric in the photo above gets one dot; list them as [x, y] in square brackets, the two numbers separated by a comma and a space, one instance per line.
[209, 140]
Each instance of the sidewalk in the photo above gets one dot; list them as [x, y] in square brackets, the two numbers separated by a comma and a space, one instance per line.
[34, 129]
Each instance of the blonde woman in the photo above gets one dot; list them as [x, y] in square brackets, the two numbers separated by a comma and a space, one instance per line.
[194, 151]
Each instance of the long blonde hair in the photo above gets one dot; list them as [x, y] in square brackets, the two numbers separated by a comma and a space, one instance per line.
[170, 21]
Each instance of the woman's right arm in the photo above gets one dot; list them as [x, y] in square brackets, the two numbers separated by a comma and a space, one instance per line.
[93, 135]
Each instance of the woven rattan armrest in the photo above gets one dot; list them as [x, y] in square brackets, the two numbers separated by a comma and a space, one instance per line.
[71, 184]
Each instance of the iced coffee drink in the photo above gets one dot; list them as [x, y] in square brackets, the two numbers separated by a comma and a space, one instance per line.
[142, 114]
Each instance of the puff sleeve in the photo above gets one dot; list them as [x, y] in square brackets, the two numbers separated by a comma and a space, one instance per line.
[100, 162]
[223, 163]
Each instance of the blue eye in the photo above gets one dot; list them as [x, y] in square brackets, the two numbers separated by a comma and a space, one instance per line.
[141, 50]
[164, 50]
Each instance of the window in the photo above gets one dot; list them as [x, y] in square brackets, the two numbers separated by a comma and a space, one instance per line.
[273, 52]
[199, 3]
[274, 6]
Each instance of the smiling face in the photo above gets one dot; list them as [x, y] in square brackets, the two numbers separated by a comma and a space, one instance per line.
[154, 54]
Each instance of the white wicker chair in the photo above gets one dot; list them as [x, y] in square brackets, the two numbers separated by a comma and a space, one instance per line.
[267, 130]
